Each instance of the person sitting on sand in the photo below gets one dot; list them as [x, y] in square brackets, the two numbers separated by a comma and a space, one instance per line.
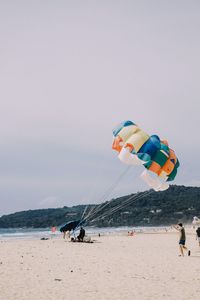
[198, 235]
[182, 238]
[81, 235]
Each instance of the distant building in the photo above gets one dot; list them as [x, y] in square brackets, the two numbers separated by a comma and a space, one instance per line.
[71, 214]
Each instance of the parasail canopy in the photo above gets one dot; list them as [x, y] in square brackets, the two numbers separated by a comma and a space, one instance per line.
[136, 147]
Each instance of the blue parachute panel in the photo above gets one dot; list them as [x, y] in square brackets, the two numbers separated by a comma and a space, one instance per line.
[151, 146]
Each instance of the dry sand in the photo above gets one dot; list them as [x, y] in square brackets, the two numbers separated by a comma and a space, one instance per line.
[145, 266]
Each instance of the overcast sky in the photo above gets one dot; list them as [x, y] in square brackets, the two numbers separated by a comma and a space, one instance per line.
[70, 71]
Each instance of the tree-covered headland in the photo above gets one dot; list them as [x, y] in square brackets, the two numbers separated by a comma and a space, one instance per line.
[177, 204]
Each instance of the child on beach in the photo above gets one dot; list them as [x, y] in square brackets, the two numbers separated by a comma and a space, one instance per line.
[182, 238]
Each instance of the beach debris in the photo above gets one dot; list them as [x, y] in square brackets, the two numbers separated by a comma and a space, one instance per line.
[58, 279]
[44, 239]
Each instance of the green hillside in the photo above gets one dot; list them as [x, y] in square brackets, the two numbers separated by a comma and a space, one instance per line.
[178, 203]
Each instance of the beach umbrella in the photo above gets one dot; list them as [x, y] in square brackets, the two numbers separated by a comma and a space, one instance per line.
[72, 225]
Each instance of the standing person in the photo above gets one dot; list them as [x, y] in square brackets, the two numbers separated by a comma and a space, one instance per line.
[66, 234]
[198, 235]
[182, 239]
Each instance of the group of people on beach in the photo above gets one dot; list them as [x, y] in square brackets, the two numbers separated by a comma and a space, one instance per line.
[79, 238]
[179, 227]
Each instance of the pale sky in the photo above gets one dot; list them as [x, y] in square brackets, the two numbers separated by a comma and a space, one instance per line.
[72, 70]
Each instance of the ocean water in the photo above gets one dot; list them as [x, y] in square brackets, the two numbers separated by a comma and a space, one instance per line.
[30, 233]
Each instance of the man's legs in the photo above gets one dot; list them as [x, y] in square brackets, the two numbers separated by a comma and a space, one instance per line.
[185, 248]
[181, 249]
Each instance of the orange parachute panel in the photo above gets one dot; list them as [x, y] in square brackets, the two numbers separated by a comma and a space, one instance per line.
[170, 163]
[117, 144]
[129, 146]
[154, 167]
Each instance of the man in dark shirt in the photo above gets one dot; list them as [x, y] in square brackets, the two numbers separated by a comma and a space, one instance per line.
[198, 235]
[182, 238]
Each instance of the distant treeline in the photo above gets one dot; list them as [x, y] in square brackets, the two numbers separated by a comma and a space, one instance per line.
[178, 203]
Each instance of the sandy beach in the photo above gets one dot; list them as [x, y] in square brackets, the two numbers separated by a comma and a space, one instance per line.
[145, 266]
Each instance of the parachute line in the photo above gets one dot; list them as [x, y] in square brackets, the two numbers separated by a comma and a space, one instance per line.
[99, 208]
[131, 199]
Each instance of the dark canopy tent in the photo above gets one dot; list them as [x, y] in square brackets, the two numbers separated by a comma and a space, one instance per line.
[71, 225]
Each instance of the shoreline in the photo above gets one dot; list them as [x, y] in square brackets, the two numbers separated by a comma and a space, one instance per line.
[29, 233]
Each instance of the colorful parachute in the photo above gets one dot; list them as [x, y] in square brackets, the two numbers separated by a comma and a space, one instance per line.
[136, 147]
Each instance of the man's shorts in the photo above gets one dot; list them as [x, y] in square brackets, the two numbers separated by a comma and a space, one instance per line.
[199, 239]
[182, 242]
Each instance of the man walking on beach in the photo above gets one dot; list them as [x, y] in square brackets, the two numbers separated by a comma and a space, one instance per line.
[182, 238]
